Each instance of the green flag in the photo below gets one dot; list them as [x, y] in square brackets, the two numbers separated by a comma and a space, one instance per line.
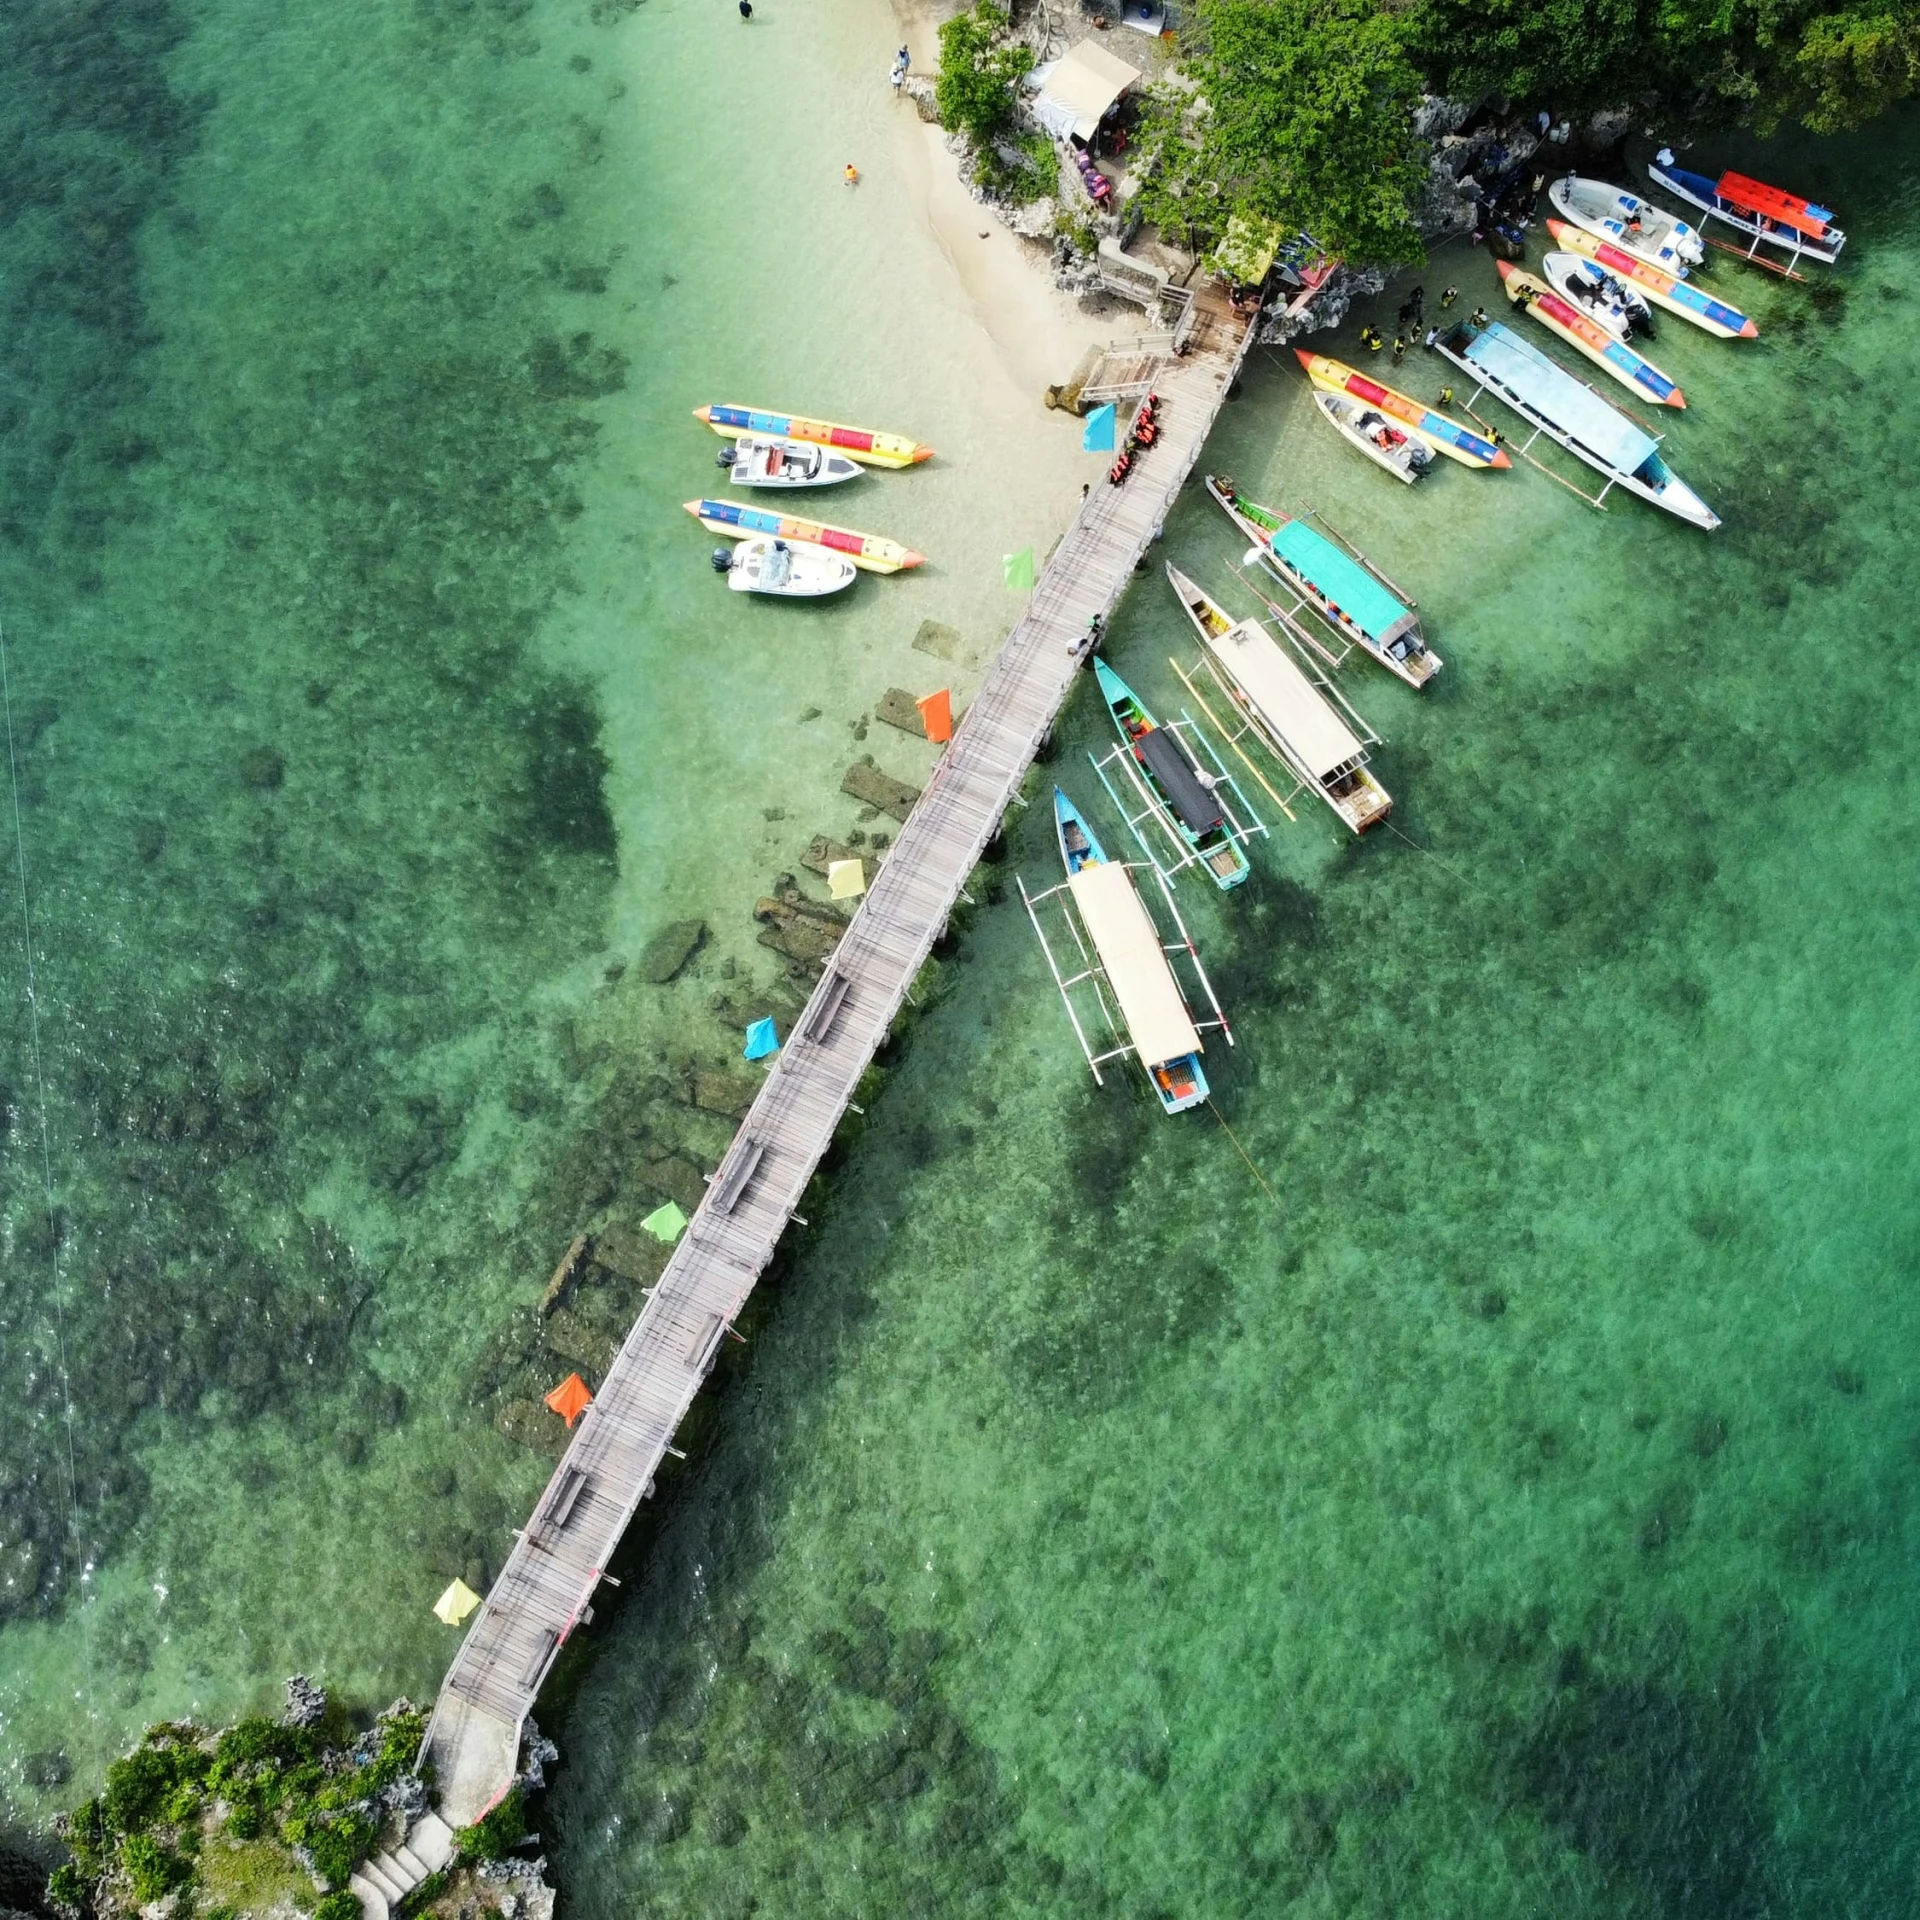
[1017, 570]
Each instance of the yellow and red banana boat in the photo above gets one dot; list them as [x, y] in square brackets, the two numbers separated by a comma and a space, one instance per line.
[1586, 336]
[1677, 296]
[739, 522]
[1443, 435]
[859, 443]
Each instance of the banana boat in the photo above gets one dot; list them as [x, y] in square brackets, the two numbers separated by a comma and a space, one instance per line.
[1663, 289]
[1443, 435]
[868, 550]
[876, 449]
[1587, 336]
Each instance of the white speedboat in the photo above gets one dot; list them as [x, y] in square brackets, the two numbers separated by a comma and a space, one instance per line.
[789, 568]
[1647, 232]
[1385, 442]
[755, 460]
[1608, 302]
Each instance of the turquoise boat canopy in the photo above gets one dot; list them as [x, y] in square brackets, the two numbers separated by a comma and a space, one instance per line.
[1570, 404]
[1345, 582]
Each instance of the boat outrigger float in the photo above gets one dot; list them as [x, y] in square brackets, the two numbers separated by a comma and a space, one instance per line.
[875, 449]
[1357, 601]
[868, 550]
[1192, 806]
[1441, 434]
[1663, 289]
[1141, 1006]
[1292, 717]
[1566, 409]
[1776, 219]
[1586, 335]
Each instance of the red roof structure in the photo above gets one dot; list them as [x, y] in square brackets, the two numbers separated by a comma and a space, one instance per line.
[1754, 196]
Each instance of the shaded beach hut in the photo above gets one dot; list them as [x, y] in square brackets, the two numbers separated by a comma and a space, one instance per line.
[1079, 92]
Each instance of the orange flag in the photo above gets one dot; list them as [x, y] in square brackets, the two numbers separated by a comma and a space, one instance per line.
[570, 1399]
[936, 715]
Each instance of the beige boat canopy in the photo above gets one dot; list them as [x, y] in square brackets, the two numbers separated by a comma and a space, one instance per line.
[1285, 699]
[1136, 965]
[1079, 89]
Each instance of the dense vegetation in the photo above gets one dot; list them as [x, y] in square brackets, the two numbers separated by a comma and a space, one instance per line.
[167, 1821]
[1301, 111]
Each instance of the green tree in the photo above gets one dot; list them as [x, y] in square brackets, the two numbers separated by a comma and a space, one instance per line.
[1304, 116]
[980, 69]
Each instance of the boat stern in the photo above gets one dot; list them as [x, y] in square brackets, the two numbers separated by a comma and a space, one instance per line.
[1180, 1083]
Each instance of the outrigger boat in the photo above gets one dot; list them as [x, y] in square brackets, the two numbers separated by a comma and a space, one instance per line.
[1566, 409]
[1441, 434]
[1774, 219]
[870, 448]
[1121, 953]
[1663, 289]
[1360, 604]
[754, 460]
[1590, 289]
[783, 567]
[868, 550]
[1291, 716]
[1401, 453]
[1637, 226]
[1586, 335]
[1191, 806]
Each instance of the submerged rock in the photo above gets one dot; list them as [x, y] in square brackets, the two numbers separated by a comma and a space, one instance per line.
[866, 783]
[669, 950]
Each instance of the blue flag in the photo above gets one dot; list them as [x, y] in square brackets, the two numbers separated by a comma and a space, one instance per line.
[1098, 437]
[761, 1040]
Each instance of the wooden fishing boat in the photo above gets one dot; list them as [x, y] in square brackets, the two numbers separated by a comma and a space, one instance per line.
[1773, 218]
[870, 551]
[1191, 806]
[1637, 226]
[756, 460]
[861, 443]
[1589, 288]
[1446, 436]
[1666, 290]
[1570, 412]
[1348, 593]
[1126, 965]
[1586, 336]
[789, 569]
[1285, 710]
[1386, 443]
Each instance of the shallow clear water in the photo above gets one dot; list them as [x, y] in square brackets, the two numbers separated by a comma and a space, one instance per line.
[1513, 1512]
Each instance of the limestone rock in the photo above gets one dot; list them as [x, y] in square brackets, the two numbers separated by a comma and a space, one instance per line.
[632, 1254]
[528, 1424]
[866, 783]
[565, 1274]
[898, 708]
[670, 949]
[579, 1340]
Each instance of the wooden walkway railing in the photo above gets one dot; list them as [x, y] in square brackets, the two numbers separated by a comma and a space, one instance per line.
[543, 1592]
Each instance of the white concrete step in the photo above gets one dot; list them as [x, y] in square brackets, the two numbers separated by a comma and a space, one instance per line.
[389, 1883]
[431, 1840]
[416, 1869]
[373, 1903]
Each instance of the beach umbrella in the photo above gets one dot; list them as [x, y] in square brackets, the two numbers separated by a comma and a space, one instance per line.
[1017, 570]
[1097, 435]
[666, 1223]
[762, 1040]
[936, 715]
[846, 879]
[571, 1398]
[456, 1603]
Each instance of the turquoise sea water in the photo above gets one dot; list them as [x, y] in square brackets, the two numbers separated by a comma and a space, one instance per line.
[1513, 1512]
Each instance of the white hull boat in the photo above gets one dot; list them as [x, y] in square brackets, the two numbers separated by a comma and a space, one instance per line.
[1607, 302]
[791, 569]
[755, 460]
[1383, 441]
[1637, 226]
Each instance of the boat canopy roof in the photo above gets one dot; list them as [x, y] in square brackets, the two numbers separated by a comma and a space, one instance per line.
[1343, 580]
[1285, 698]
[1136, 964]
[1166, 759]
[1789, 209]
[1570, 404]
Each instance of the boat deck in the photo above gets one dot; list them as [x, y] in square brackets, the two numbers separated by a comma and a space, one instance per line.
[550, 1577]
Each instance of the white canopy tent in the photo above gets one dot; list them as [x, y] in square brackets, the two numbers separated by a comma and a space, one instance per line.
[1078, 90]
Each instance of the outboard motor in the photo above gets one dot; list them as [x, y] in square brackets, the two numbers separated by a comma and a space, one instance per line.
[723, 559]
[725, 457]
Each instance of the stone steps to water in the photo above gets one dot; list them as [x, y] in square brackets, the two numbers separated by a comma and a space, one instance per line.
[381, 1883]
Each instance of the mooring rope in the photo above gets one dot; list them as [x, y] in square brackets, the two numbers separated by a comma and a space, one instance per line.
[1244, 1155]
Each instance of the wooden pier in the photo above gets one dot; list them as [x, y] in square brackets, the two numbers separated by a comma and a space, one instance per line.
[545, 1590]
